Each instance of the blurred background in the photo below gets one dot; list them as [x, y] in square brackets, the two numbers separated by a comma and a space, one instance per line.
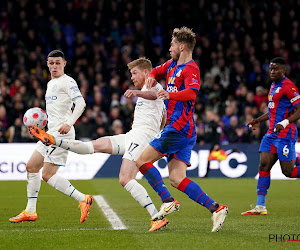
[235, 42]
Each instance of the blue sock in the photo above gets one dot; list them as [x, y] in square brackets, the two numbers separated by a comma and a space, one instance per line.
[155, 180]
[194, 191]
[263, 185]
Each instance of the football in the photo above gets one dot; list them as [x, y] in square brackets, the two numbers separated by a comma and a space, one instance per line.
[35, 116]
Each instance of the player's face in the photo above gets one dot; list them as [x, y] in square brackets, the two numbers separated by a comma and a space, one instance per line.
[56, 66]
[138, 77]
[175, 49]
[276, 71]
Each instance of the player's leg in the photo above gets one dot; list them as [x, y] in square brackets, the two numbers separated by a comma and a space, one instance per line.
[289, 169]
[267, 160]
[178, 179]
[33, 167]
[55, 158]
[127, 177]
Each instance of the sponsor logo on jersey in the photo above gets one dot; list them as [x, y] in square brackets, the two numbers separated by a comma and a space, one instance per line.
[172, 89]
[139, 104]
[270, 97]
[51, 98]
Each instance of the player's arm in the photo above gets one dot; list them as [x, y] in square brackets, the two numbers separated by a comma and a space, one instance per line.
[156, 74]
[78, 110]
[150, 94]
[293, 118]
[255, 122]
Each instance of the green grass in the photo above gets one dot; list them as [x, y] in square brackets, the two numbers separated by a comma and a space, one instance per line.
[58, 224]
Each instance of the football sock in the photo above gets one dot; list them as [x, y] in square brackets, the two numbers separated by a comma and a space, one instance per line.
[33, 188]
[296, 172]
[139, 193]
[263, 185]
[155, 180]
[194, 191]
[63, 185]
[75, 146]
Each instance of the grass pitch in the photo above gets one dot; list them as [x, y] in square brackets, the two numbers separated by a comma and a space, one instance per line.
[58, 225]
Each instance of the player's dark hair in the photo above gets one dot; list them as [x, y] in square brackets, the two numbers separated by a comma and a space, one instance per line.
[278, 60]
[56, 53]
[186, 36]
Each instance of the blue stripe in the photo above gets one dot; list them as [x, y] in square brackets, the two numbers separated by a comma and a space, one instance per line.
[118, 149]
[148, 205]
[32, 197]
[72, 192]
[60, 142]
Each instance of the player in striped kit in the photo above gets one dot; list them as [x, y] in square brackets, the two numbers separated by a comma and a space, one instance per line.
[279, 141]
[177, 139]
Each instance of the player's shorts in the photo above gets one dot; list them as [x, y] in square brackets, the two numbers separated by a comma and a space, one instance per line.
[284, 148]
[54, 154]
[131, 144]
[173, 144]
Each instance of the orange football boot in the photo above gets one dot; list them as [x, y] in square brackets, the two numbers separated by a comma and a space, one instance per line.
[85, 207]
[23, 216]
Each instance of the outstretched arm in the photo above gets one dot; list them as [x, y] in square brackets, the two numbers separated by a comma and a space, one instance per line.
[148, 94]
[255, 122]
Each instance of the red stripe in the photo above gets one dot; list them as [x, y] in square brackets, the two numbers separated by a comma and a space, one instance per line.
[199, 196]
[145, 167]
[163, 193]
[295, 173]
[156, 183]
[262, 186]
[183, 184]
[273, 149]
[264, 173]
[207, 202]
[261, 193]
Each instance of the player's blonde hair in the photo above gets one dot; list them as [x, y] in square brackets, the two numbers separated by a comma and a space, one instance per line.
[141, 63]
[186, 36]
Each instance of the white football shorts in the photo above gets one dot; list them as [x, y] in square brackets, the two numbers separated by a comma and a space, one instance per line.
[52, 153]
[131, 144]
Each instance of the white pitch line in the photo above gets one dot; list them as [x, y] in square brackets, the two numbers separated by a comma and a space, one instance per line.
[112, 217]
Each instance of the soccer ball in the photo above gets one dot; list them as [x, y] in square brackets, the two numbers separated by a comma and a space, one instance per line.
[36, 117]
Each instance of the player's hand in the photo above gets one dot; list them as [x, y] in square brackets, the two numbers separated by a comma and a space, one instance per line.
[253, 124]
[150, 82]
[64, 129]
[130, 93]
[278, 128]
[162, 94]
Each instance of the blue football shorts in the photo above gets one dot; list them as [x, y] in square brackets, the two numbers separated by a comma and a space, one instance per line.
[284, 148]
[173, 144]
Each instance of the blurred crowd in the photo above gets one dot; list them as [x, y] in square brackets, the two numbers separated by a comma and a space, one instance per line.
[235, 42]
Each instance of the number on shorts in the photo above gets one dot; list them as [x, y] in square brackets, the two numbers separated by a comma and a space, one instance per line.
[132, 147]
[53, 148]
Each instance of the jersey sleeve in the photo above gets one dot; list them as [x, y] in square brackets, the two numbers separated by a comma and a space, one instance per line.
[160, 71]
[157, 87]
[292, 94]
[192, 78]
[72, 89]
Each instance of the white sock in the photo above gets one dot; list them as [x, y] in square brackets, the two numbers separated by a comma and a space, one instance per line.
[139, 193]
[33, 188]
[63, 185]
[75, 146]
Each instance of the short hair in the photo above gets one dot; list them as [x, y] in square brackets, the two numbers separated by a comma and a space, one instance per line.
[56, 53]
[278, 60]
[141, 63]
[186, 36]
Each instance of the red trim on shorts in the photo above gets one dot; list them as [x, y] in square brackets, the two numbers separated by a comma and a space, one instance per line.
[264, 173]
[295, 173]
[183, 184]
[145, 167]
[174, 156]
[273, 149]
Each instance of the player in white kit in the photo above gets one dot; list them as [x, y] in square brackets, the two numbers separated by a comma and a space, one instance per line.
[62, 92]
[149, 118]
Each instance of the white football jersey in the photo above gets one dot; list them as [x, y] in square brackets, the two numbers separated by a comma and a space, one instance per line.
[148, 114]
[59, 100]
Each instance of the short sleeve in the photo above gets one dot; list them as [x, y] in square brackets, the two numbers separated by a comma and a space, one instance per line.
[292, 94]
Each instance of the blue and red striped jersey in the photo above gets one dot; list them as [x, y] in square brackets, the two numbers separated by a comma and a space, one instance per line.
[283, 97]
[180, 114]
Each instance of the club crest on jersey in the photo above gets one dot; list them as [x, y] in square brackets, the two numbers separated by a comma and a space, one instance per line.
[54, 88]
[277, 90]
